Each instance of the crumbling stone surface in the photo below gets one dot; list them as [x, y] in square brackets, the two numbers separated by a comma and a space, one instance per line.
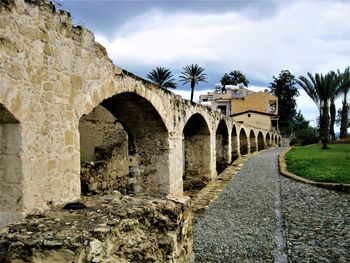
[52, 74]
[113, 228]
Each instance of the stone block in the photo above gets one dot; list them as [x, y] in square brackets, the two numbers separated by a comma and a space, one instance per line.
[69, 138]
[76, 81]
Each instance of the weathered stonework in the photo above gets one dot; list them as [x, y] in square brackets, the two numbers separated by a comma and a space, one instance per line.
[104, 153]
[53, 74]
[73, 123]
[54, 78]
[113, 228]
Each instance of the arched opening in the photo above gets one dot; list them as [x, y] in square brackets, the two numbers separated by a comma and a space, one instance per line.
[252, 140]
[268, 139]
[124, 146]
[221, 147]
[276, 139]
[272, 139]
[11, 197]
[243, 142]
[196, 145]
[261, 143]
[234, 144]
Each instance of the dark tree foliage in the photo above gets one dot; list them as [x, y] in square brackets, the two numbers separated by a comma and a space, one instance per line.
[162, 77]
[321, 89]
[345, 89]
[304, 133]
[234, 78]
[300, 122]
[338, 118]
[193, 74]
[284, 87]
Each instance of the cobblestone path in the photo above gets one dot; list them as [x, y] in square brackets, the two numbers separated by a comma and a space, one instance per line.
[264, 217]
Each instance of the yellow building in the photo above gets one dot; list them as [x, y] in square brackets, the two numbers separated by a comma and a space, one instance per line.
[246, 106]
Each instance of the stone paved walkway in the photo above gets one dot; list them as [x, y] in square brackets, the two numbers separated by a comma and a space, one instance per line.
[263, 217]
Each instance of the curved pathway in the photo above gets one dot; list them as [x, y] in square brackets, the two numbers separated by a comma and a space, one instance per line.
[263, 217]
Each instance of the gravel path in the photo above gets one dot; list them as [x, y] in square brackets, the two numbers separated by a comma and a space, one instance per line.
[318, 223]
[247, 222]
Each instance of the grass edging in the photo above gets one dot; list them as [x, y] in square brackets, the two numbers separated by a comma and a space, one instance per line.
[332, 186]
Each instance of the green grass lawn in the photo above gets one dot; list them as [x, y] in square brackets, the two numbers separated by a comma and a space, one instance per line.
[331, 165]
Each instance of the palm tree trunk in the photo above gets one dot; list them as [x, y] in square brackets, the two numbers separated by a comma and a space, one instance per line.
[344, 119]
[332, 121]
[193, 84]
[324, 124]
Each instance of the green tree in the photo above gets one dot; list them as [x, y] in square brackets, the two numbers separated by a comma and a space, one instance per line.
[284, 87]
[345, 88]
[193, 74]
[300, 122]
[338, 118]
[321, 89]
[234, 78]
[332, 109]
[162, 77]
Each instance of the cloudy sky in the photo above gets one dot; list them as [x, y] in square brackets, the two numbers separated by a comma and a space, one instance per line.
[258, 37]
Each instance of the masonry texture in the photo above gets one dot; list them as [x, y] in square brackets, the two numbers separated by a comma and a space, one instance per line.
[73, 124]
[113, 228]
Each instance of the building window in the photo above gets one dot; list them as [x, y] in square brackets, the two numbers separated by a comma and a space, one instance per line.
[222, 108]
[272, 107]
[249, 115]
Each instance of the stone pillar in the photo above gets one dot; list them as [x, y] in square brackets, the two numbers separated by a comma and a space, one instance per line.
[229, 148]
[176, 165]
[212, 162]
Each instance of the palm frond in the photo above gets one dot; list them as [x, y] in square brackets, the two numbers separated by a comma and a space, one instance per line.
[193, 73]
[162, 77]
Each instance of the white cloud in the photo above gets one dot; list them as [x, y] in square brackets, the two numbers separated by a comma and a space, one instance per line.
[304, 36]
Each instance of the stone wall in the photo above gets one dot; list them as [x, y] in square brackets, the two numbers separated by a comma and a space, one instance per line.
[10, 168]
[99, 128]
[52, 74]
[112, 228]
[221, 147]
[255, 120]
[252, 142]
[243, 142]
[261, 143]
[234, 144]
[103, 152]
[197, 154]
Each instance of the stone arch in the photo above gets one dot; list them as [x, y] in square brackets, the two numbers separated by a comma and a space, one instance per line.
[91, 96]
[234, 144]
[261, 143]
[252, 140]
[221, 147]
[11, 177]
[127, 141]
[268, 139]
[196, 149]
[243, 141]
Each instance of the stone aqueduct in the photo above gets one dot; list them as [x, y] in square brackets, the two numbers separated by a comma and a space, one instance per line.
[53, 75]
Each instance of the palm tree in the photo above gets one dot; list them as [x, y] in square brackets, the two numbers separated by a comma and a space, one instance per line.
[193, 74]
[321, 89]
[345, 88]
[162, 77]
[332, 110]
